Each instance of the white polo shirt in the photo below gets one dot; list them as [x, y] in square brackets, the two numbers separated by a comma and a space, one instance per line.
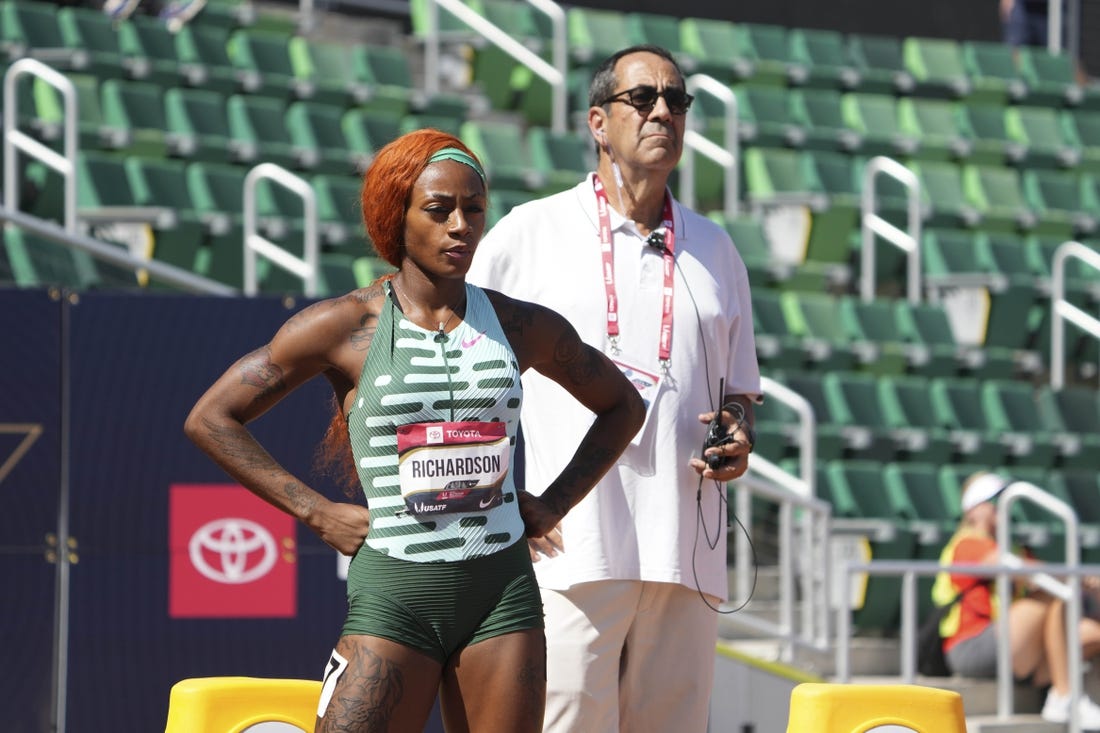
[642, 521]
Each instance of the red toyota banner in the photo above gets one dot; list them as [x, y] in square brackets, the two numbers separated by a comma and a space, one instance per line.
[232, 555]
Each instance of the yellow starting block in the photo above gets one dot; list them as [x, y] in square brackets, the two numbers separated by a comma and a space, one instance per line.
[835, 708]
[232, 704]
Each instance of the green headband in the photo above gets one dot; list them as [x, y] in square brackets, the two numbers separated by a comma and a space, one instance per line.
[457, 155]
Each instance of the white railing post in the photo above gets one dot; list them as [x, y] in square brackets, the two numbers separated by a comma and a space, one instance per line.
[726, 155]
[872, 224]
[15, 139]
[255, 244]
[553, 74]
[1061, 309]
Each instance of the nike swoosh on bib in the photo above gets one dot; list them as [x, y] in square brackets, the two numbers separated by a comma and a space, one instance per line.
[468, 343]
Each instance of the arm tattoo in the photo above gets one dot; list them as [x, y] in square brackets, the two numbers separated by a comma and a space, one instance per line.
[366, 696]
[257, 370]
[580, 363]
[518, 318]
[579, 477]
[237, 447]
[364, 333]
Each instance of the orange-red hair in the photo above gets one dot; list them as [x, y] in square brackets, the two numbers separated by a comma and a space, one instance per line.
[389, 182]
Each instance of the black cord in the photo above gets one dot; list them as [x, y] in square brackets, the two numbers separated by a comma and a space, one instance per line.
[722, 500]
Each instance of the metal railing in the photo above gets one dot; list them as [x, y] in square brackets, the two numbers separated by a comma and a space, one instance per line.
[553, 74]
[256, 245]
[800, 539]
[872, 224]
[1008, 566]
[17, 140]
[726, 155]
[1062, 310]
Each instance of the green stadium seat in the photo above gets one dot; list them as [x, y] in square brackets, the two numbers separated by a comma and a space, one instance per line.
[200, 116]
[36, 261]
[875, 118]
[854, 397]
[751, 240]
[1013, 407]
[1074, 410]
[776, 344]
[204, 51]
[261, 122]
[594, 34]
[832, 440]
[998, 195]
[563, 157]
[827, 55]
[1084, 126]
[450, 29]
[502, 148]
[1051, 78]
[881, 62]
[938, 352]
[858, 486]
[720, 47]
[943, 195]
[329, 68]
[1059, 195]
[776, 60]
[822, 113]
[319, 128]
[875, 321]
[92, 30]
[33, 29]
[1047, 139]
[93, 131]
[815, 318]
[138, 107]
[146, 44]
[101, 181]
[993, 143]
[521, 21]
[994, 72]
[937, 66]
[958, 403]
[775, 175]
[662, 30]
[908, 403]
[936, 520]
[339, 210]
[367, 131]
[766, 116]
[938, 125]
[393, 88]
[501, 201]
[267, 53]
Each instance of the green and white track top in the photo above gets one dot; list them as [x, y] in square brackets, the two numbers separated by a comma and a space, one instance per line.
[411, 377]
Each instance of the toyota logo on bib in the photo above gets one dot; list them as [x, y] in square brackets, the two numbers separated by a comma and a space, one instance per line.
[232, 550]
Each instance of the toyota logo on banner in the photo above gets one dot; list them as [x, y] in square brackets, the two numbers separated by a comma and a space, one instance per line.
[232, 555]
[232, 550]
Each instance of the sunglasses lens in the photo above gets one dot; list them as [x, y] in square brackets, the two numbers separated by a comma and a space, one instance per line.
[643, 97]
[678, 100]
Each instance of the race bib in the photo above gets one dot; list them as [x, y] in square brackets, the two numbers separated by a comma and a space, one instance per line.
[452, 467]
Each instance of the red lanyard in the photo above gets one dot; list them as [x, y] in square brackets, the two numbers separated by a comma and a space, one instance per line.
[607, 249]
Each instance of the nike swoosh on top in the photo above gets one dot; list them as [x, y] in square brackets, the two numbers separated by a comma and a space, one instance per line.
[484, 503]
[470, 342]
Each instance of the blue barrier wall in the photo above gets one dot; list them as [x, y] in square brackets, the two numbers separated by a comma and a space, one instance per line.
[133, 366]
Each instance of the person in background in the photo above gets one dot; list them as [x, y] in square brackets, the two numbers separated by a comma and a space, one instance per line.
[174, 13]
[425, 370]
[633, 577]
[1036, 619]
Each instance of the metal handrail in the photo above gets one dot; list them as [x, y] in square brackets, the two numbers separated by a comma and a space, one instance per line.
[872, 224]
[1008, 565]
[726, 155]
[553, 74]
[17, 139]
[161, 271]
[767, 480]
[1060, 308]
[256, 244]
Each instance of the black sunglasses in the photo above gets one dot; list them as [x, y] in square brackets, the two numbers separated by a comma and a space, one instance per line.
[644, 99]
